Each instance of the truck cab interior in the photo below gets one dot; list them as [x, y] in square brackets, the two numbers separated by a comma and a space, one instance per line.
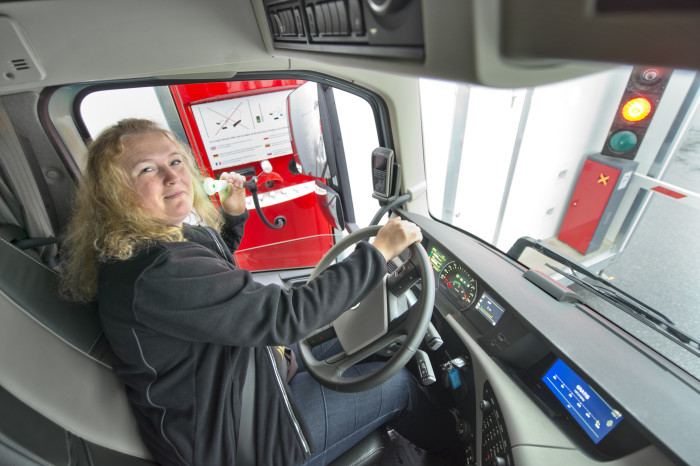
[546, 149]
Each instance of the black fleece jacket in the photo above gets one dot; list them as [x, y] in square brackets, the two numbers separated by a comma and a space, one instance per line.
[182, 319]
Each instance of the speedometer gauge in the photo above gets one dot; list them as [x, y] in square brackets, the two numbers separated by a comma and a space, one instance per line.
[458, 284]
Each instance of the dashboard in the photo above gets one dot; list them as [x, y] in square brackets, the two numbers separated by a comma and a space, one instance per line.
[543, 387]
[541, 380]
[561, 390]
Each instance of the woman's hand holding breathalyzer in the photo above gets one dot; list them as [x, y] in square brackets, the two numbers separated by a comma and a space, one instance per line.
[234, 204]
[394, 237]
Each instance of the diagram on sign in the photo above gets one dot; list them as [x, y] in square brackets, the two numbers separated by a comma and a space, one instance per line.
[244, 129]
[230, 122]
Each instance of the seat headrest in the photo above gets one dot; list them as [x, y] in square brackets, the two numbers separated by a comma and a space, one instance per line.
[34, 287]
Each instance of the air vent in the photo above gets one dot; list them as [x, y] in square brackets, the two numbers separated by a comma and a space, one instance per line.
[18, 63]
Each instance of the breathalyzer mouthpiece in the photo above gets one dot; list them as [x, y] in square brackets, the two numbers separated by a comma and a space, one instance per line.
[212, 186]
[266, 166]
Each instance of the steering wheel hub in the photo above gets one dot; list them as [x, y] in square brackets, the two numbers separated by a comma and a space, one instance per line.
[350, 327]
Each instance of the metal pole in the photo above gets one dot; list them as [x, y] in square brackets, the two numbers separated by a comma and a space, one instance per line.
[454, 158]
[513, 162]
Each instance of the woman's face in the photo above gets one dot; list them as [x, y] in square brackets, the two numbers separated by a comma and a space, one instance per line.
[159, 176]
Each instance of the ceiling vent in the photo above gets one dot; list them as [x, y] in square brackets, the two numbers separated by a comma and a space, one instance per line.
[18, 62]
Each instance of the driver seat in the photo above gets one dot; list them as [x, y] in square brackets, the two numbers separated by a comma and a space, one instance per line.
[61, 402]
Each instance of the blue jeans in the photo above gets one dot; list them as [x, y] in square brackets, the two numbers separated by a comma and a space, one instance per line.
[338, 421]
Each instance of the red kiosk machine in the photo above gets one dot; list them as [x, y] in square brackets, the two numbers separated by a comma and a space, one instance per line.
[601, 185]
[243, 127]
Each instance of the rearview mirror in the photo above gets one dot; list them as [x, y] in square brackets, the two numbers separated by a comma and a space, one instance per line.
[305, 129]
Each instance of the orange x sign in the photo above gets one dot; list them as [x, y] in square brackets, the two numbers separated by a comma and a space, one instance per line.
[603, 179]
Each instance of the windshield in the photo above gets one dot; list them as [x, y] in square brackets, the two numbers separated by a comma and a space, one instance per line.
[510, 163]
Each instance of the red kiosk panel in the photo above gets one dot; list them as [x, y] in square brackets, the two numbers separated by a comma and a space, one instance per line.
[236, 126]
[595, 185]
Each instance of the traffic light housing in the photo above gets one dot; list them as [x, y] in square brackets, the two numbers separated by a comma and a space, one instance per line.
[637, 107]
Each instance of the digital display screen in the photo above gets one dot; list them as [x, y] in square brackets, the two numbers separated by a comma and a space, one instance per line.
[379, 163]
[437, 259]
[593, 413]
[490, 309]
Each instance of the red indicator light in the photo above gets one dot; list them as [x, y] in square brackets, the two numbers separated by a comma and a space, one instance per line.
[636, 109]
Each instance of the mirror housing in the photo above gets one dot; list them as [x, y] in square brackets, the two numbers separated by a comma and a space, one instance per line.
[305, 128]
[330, 205]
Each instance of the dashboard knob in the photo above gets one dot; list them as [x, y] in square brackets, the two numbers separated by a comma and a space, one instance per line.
[497, 461]
[486, 406]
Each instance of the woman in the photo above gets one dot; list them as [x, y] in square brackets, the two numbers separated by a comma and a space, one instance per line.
[183, 320]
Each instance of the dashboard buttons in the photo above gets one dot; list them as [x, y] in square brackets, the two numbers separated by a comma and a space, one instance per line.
[495, 446]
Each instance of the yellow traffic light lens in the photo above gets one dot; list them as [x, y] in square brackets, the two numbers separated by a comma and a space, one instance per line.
[636, 109]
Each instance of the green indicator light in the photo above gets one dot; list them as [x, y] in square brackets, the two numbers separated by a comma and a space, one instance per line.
[623, 141]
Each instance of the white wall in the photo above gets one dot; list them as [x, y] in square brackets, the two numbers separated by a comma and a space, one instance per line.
[563, 126]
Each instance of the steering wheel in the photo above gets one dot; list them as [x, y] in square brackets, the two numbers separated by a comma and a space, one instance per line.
[407, 330]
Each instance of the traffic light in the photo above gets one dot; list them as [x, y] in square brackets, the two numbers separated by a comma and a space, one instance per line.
[637, 106]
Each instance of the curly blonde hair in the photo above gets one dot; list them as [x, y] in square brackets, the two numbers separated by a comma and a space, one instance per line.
[108, 222]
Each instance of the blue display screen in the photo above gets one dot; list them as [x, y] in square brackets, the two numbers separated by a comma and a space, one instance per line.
[593, 413]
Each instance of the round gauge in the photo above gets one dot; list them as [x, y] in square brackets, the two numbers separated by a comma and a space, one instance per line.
[458, 284]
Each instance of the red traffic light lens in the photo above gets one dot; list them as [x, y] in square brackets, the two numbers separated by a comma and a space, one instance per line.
[636, 109]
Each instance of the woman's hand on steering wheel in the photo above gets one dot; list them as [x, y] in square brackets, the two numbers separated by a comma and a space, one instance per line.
[408, 331]
[394, 237]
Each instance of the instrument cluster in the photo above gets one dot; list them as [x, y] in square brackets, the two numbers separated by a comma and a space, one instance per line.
[453, 280]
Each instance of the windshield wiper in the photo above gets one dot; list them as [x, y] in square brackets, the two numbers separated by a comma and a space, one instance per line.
[636, 309]
[613, 295]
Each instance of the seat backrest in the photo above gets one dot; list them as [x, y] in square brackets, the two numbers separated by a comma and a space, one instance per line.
[55, 359]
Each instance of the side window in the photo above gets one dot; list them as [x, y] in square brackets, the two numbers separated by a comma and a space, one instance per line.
[101, 109]
[244, 126]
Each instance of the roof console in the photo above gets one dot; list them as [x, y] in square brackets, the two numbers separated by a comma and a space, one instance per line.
[385, 28]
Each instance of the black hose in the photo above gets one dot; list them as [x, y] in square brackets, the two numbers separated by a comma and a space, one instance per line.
[280, 220]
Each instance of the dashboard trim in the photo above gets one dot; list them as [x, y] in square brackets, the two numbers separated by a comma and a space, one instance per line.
[560, 325]
[534, 437]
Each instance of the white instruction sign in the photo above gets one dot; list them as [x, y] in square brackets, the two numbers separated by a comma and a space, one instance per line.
[244, 129]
